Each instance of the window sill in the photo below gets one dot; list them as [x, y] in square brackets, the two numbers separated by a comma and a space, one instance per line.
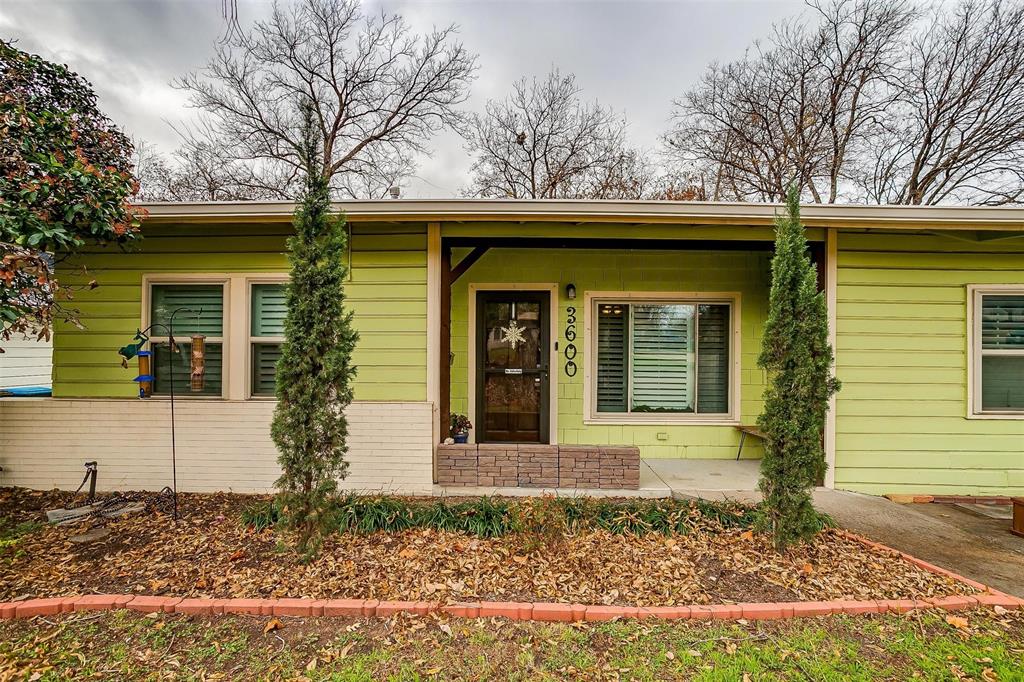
[185, 396]
[997, 415]
[680, 421]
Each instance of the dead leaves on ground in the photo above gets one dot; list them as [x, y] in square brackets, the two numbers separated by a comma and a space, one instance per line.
[210, 554]
[959, 622]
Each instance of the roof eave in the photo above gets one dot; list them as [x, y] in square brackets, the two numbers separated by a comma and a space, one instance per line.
[580, 211]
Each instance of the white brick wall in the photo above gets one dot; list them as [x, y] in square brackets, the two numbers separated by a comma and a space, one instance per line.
[221, 445]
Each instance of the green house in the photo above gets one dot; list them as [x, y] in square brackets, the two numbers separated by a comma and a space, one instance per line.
[579, 337]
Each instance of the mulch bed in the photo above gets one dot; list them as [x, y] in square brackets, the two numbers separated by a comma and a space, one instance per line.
[209, 553]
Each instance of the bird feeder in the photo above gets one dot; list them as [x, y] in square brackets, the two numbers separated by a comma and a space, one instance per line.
[134, 350]
[145, 378]
[197, 368]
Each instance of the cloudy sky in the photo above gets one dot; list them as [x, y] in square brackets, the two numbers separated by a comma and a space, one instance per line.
[635, 55]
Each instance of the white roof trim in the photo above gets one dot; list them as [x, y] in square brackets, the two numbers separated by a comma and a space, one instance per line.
[693, 213]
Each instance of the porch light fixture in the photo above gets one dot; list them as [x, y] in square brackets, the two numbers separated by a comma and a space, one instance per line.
[570, 291]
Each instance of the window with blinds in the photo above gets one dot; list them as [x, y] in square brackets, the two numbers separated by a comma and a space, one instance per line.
[1001, 349]
[662, 357]
[266, 334]
[193, 309]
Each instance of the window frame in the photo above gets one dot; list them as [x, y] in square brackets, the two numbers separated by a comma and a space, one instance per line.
[148, 282]
[975, 351]
[251, 340]
[592, 299]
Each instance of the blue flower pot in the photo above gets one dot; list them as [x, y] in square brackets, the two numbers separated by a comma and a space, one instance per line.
[461, 437]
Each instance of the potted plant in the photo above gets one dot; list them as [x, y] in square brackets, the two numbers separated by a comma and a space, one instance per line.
[460, 426]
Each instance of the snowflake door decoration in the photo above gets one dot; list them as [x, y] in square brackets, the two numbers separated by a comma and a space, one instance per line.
[513, 334]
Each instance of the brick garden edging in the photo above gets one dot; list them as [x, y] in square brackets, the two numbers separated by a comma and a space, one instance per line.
[536, 611]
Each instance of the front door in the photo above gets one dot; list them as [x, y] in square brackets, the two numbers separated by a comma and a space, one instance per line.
[513, 329]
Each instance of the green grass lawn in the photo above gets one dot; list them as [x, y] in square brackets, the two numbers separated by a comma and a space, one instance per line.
[128, 646]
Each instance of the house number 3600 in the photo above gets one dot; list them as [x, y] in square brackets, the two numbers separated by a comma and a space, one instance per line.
[570, 336]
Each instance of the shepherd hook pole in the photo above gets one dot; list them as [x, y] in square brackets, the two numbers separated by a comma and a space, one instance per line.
[174, 451]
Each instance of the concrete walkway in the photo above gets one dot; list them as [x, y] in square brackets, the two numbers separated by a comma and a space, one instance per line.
[708, 478]
[975, 546]
[971, 545]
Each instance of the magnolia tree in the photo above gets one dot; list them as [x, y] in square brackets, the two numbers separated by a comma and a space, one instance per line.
[65, 181]
[315, 372]
[798, 357]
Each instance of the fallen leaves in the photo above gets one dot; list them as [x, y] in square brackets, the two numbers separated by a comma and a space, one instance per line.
[271, 625]
[209, 553]
[959, 622]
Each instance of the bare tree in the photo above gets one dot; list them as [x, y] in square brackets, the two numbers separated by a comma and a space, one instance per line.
[796, 108]
[195, 172]
[956, 133]
[544, 142]
[379, 92]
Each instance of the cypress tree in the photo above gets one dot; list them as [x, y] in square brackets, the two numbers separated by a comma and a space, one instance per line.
[797, 355]
[315, 371]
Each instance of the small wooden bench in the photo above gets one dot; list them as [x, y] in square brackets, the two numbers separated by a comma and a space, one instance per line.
[1017, 527]
[746, 430]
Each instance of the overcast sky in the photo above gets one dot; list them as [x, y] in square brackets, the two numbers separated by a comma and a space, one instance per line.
[633, 55]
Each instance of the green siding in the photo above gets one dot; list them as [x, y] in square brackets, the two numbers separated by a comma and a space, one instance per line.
[901, 339]
[691, 271]
[387, 292]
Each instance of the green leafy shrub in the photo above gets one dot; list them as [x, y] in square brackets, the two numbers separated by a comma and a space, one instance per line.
[542, 522]
[483, 517]
[365, 515]
[261, 515]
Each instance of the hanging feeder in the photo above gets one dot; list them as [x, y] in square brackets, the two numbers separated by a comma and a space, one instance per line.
[145, 378]
[197, 370]
[134, 350]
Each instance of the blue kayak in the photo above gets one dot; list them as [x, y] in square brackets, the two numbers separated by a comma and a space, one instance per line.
[26, 392]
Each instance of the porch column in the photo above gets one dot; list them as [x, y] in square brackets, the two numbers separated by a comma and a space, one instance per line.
[445, 345]
[831, 274]
[434, 334]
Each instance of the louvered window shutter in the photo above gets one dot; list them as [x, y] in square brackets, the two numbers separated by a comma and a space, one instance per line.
[713, 359]
[1002, 352]
[662, 363]
[206, 300]
[269, 308]
[264, 367]
[611, 357]
[205, 316]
